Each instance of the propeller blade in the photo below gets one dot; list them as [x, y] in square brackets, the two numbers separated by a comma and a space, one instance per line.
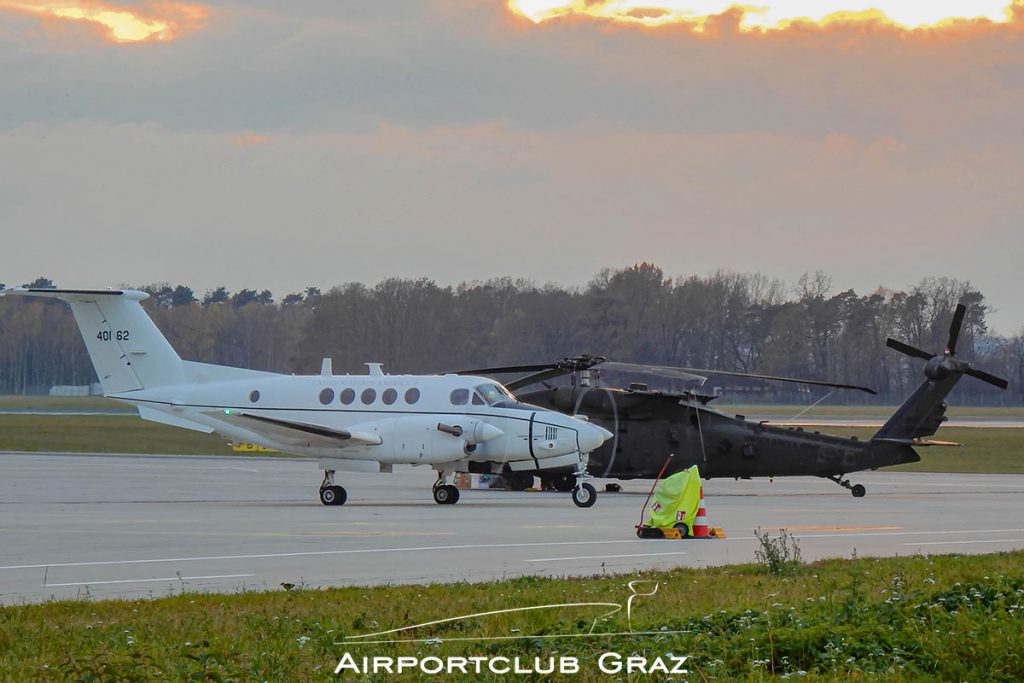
[954, 329]
[774, 378]
[991, 379]
[658, 370]
[908, 349]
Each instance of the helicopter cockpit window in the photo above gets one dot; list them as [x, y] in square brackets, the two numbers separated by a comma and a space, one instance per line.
[492, 393]
[459, 397]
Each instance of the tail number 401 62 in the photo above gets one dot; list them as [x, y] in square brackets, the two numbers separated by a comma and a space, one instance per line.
[107, 335]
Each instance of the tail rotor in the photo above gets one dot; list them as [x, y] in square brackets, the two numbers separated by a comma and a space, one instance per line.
[941, 366]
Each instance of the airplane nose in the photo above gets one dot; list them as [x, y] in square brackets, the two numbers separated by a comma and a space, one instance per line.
[592, 436]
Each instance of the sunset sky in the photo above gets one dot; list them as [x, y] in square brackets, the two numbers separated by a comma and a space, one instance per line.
[282, 145]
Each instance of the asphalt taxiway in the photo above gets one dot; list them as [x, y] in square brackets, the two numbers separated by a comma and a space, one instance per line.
[78, 525]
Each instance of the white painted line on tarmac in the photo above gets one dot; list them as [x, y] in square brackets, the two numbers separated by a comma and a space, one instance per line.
[599, 557]
[169, 578]
[471, 546]
[984, 540]
[314, 553]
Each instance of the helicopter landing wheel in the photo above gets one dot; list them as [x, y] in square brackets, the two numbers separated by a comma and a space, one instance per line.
[856, 490]
[584, 495]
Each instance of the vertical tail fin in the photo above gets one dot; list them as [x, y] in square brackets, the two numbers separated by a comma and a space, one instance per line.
[125, 346]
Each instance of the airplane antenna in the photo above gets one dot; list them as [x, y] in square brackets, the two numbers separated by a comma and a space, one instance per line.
[326, 369]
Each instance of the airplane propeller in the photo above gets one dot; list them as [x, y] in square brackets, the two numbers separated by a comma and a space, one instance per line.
[949, 361]
[565, 366]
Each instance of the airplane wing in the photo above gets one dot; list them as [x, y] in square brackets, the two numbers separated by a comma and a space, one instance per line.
[297, 433]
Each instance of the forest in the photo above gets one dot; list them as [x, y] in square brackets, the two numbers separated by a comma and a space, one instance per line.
[730, 321]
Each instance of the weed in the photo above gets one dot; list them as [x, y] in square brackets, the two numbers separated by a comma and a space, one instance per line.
[778, 555]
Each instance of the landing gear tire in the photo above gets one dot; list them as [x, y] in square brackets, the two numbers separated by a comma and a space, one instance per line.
[584, 495]
[446, 495]
[858, 490]
[333, 495]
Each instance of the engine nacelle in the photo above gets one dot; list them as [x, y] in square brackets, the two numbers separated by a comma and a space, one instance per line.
[423, 439]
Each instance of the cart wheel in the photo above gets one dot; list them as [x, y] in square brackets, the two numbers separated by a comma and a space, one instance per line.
[683, 529]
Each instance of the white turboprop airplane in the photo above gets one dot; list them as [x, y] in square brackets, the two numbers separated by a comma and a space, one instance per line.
[352, 423]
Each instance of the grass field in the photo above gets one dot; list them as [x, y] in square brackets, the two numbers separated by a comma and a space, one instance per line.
[103, 434]
[917, 618]
[8, 402]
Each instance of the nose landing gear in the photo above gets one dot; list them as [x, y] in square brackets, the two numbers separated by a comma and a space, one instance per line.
[584, 495]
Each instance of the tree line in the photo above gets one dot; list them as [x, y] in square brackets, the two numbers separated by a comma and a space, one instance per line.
[743, 322]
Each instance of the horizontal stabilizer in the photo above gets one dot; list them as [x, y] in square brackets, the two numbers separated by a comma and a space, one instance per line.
[154, 415]
[918, 442]
[297, 433]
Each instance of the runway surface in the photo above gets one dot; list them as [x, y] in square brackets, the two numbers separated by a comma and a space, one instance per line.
[129, 526]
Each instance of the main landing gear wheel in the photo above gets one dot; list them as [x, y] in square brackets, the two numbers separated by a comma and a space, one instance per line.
[333, 495]
[446, 495]
[584, 495]
[858, 490]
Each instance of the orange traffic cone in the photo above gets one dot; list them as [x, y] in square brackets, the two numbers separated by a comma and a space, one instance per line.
[700, 525]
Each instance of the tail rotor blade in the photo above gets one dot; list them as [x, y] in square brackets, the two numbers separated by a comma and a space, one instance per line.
[954, 329]
[991, 379]
[908, 349]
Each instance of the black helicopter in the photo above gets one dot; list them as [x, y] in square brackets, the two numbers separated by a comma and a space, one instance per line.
[650, 426]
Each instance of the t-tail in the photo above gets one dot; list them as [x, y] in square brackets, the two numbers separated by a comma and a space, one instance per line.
[922, 414]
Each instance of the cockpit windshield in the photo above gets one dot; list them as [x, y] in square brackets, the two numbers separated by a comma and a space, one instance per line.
[494, 393]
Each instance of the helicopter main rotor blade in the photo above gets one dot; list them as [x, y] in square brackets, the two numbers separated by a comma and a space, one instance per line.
[507, 369]
[536, 377]
[954, 329]
[774, 378]
[659, 370]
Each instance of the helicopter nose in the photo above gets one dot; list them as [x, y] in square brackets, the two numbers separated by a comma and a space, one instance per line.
[592, 436]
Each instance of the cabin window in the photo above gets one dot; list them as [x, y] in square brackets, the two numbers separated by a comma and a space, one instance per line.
[491, 394]
[389, 396]
[478, 400]
[254, 396]
[459, 397]
[347, 396]
[368, 396]
[326, 396]
[412, 395]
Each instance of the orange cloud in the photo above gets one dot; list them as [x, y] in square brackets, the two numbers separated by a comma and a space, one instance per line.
[774, 15]
[248, 138]
[149, 22]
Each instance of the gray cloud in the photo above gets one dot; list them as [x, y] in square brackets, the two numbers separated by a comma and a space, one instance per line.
[440, 139]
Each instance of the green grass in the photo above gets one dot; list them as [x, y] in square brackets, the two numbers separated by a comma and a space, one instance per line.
[916, 618]
[984, 451]
[8, 402]
[103, 434]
